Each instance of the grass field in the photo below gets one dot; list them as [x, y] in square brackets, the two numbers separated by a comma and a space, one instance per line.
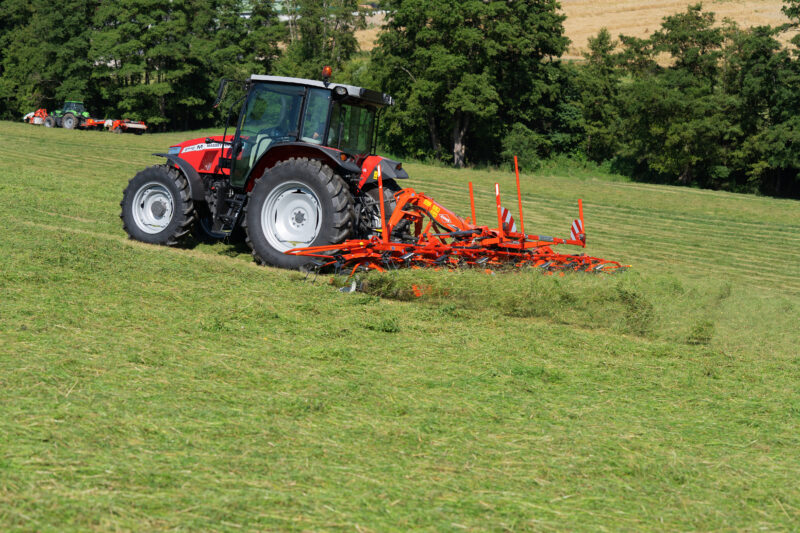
[151, 388]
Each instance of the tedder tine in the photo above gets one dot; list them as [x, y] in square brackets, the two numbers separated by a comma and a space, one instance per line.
[519, 198]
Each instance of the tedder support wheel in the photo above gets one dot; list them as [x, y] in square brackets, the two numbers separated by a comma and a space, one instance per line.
[296, 204]
[69, 121]
[49, 121]
[157, 207]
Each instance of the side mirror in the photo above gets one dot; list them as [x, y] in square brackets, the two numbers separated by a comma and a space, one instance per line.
[223, 83]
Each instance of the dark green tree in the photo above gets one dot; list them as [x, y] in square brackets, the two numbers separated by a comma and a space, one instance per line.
[262, 36]
[45, 53]
[465, 71]
[161, 61]
[675, 124]
[693, 42]
[597, 82]
[700, 104]
[320, 32]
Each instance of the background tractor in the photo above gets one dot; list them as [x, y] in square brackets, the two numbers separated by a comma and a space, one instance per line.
[71, 115]
[298, 170]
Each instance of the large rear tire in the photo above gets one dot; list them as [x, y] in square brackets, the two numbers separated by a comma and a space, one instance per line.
[296, 204]
[157, 207]
[69, 121]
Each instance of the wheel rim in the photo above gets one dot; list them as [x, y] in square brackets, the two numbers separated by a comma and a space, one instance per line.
[68, 123]
[153, 207]
[291, 216]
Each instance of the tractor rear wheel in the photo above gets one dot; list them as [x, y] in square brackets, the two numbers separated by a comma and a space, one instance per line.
[69, 121]
[296, 204]
[50, 121]
[157, 207]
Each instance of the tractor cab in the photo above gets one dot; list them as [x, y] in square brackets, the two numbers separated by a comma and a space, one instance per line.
[74, 107]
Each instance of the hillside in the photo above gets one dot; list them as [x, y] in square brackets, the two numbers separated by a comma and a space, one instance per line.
[156, 388]
[640, 19]
[585, 18]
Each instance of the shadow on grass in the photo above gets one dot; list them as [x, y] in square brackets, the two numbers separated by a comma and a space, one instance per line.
[233, 246]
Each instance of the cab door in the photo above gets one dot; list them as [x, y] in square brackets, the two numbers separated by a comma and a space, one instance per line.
[271, 116]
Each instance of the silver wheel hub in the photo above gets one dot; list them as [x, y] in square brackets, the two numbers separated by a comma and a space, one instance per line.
[291, 216]
[153, 207]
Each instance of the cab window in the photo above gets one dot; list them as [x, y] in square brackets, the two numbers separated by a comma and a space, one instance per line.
[319, 102]
[351, 128]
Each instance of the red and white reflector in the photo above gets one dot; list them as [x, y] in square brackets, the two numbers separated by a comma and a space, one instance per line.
[577, 230]
[508, 221]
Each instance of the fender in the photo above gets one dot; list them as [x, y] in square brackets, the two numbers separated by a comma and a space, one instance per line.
[283, 151]
[196, 188]
[389, 169]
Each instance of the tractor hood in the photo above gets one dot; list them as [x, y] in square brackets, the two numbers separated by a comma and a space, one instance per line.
[201, 143]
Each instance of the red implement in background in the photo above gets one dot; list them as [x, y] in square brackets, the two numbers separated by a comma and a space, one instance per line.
[36, 117]
[125, 125]
[422, 233]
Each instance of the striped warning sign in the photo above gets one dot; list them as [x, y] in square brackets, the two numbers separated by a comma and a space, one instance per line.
[577, 230]
[508, 221]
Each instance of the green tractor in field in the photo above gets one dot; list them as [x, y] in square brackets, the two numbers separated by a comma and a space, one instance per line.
[70, 116]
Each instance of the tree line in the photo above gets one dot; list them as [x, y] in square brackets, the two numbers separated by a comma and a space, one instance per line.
[160, 60]
[698, 103]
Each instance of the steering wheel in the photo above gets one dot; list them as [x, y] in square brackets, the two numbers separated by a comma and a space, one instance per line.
[274, 133]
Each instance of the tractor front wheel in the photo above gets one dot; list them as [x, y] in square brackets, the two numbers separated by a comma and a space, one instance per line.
[157, 207]
[69, 121]
[296, 204]
[50, 121]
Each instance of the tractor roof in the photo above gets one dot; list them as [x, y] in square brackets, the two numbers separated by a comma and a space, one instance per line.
[367, 95]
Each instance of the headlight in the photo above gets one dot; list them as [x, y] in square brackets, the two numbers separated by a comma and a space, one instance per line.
[174, 150]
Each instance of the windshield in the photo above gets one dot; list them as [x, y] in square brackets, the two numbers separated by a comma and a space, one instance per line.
[74, 106]
[273, 110]
[351, 128]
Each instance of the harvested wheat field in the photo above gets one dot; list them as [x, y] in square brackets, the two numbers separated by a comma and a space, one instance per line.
[640, 19]
[630, 17]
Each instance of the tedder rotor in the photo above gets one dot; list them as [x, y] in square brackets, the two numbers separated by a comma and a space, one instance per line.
[422, 233]
[298, 173]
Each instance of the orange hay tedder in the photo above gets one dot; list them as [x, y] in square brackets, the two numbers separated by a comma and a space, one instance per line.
[422, 233]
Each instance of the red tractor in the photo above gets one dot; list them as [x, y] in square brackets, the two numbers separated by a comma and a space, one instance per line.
[298, 171]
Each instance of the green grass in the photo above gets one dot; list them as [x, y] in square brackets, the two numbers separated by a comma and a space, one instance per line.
[151, 388]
